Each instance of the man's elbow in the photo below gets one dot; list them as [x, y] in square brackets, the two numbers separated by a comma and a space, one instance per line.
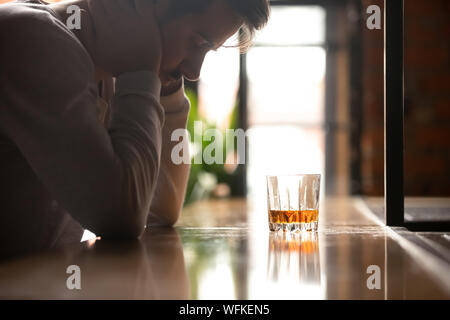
[121, 231]
[171, 219]
[119, 224]
[159, 218]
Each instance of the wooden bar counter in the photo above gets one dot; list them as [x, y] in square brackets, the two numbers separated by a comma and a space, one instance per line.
[222, 249]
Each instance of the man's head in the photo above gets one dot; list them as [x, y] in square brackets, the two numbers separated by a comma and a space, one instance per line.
[191, 28]
[126, 35]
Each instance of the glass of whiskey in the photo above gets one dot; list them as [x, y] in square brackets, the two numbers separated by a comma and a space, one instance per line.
[293, 202]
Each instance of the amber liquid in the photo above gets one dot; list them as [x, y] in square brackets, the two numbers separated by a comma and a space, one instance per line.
[293, 216]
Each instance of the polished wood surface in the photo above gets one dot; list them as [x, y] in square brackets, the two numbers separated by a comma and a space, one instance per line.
[222, 249]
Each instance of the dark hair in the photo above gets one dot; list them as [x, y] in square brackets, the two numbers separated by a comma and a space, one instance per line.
[254, 12]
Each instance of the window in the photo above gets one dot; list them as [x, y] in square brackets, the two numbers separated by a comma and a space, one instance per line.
[286, 89]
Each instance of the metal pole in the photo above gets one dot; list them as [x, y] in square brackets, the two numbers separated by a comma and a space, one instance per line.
[393, 112]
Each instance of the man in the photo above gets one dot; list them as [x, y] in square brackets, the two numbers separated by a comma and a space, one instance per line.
[75, 155]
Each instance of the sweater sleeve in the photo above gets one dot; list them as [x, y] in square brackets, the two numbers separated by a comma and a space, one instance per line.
[104, 179]
[172, 180]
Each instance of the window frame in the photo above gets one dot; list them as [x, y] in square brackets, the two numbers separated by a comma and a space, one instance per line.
[394, 123]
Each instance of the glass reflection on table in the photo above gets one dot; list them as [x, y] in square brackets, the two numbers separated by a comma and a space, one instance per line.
[293, 266]
[294, 257]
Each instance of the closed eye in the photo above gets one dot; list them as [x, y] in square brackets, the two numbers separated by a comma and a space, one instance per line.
[202, 43]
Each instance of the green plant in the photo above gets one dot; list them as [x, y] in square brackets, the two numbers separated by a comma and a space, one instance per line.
[204, 178]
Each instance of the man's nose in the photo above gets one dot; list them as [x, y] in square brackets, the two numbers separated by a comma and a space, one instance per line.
[191, 68]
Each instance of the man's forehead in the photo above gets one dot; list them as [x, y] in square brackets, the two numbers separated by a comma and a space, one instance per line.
[218, 23]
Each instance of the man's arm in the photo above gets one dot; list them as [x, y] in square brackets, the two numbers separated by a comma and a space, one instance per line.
[105, 180]
[172, 180]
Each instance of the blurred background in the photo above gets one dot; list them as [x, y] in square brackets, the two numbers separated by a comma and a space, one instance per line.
[309, 95]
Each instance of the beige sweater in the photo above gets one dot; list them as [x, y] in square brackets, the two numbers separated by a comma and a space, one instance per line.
[63, 169]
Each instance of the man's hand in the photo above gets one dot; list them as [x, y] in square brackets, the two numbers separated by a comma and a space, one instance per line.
[172, 87]
[127, 36]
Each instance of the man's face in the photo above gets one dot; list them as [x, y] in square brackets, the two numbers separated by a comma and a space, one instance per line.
[187, 39]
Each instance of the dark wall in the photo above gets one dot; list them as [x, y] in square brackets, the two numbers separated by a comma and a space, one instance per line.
[427, 101]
